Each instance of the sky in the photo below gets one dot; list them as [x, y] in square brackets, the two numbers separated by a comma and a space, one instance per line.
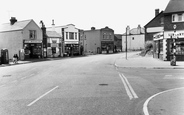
[84, 14]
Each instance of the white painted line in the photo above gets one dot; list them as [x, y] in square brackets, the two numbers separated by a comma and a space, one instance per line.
[42, 96]
[126, 87]
[145, 106]
[130, 87]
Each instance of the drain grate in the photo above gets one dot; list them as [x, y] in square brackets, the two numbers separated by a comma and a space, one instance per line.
[103, 84]
[6, 75]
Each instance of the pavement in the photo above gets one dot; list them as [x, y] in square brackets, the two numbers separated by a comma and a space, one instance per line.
[170, 102]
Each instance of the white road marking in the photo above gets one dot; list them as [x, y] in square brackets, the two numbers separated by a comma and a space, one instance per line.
[145, 106]
[130, 87]
[126, 88]
[42, 96]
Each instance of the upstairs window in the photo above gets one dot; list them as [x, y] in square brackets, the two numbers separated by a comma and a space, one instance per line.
[75, 35]
[32, 34]
[71, 35]
[178, 17]
[66, 35]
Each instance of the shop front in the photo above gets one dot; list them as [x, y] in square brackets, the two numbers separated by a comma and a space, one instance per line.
[179, 44]
[32, 49]
[159, 46]
[107, 46]
[71, 49]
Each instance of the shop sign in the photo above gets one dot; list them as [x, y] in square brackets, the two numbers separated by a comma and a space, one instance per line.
[178, 34]
[71, 42]
[32, 41]
[54, 45]
[158, 36]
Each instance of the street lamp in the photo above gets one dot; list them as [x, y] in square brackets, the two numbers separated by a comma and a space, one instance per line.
[127, 28]
[173, 61]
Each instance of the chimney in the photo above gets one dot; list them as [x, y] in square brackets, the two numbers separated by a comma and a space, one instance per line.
[13, 20]
[156, 12]
[139, 29]
[92, 28]
[53, 25]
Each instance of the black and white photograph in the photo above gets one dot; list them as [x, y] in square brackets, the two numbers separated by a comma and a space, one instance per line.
[92, 57]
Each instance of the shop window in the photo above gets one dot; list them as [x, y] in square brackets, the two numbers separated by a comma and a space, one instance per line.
[32, 34]
[180, 48]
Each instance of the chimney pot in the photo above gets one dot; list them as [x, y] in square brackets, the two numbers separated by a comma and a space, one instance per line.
[13, 20]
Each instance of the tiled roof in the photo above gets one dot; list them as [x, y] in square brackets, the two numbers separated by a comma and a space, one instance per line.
[19, 25]
[175, 6]
[53, 34]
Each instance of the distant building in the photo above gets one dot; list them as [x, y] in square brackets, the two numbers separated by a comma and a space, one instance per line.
[54, 44]
[21, 37]
[135, 39]
[117, 42]
[70, 38]
[96, 41]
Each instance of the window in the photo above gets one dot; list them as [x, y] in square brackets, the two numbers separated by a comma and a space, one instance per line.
[180, 17]
[177, 18]
[75, 35]
[32, 34]
[66, 35]
[54, 41]
[132, 38]
[173, 18]
[71, 35]
[162, 20]
[110, 36]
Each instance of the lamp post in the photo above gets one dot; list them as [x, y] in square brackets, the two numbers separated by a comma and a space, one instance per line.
[126, 41]
[173, 61]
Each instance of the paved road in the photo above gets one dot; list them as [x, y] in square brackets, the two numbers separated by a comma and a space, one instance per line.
[80, 86]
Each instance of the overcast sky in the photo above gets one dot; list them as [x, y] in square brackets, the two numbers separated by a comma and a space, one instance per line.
[84, 14]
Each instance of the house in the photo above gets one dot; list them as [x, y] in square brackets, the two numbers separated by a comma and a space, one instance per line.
[174, 27]
[172, 22]
[70, 38]
[96, 41]
[54, 47]
[134, 39]
[117, 42]
[21, 37]
[154, 26]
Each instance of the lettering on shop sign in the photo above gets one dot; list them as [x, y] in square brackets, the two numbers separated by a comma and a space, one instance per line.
[176, 34]
[158, 36]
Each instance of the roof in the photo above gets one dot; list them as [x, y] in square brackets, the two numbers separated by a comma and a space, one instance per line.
[175, 6]
[53, 34]
[135, 31]
[19, 25]
[154, 18]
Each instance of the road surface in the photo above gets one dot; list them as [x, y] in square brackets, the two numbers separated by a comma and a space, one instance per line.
[90, 85]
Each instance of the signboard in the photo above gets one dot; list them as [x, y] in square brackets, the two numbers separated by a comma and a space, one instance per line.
[158, 36]
[169, 34]
[32, 41]
[71, 42]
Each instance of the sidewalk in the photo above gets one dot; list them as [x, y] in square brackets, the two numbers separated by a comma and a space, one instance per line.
[135, 61]
[170, 102]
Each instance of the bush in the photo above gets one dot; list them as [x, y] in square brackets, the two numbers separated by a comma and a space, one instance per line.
[147, 48]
